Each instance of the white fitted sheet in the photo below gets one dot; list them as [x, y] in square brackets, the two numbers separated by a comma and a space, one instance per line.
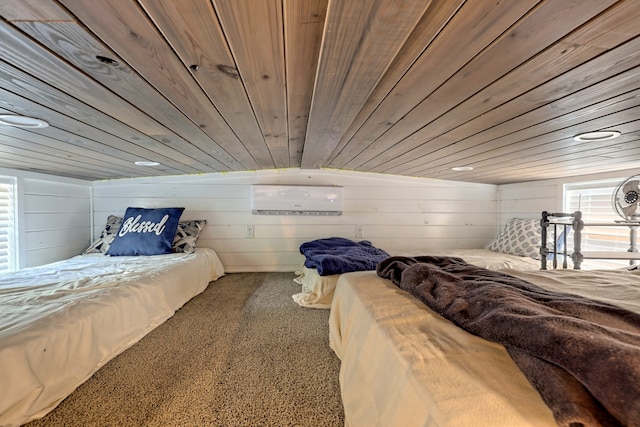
[59, 323]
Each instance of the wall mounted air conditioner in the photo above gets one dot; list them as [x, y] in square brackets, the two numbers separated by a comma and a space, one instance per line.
[296, 200]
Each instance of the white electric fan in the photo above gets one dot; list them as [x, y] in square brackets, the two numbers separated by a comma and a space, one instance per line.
[626, 199]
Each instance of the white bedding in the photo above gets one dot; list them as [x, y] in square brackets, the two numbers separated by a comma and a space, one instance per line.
[59, 323]
[404, 365]
[317, 291]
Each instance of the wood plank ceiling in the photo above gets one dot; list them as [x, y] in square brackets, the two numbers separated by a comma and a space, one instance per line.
[389, 86]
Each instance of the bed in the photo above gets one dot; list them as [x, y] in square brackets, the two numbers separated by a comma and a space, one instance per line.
[60, 322]
[325, 260]
[403, 364]
[317, 290]
[517, 246]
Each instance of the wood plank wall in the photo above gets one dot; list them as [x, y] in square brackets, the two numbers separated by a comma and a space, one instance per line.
[529, 199]
[398, 214]
[401, 215]
[54, 217]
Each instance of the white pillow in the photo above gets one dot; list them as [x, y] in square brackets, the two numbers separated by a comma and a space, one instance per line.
[520, 237]
[102, 243]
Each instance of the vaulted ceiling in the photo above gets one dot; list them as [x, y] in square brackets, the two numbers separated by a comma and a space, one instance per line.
[389, 86]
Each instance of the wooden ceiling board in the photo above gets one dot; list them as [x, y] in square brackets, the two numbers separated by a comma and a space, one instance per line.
[37, 160]
[618, 22]
[33, 10]
[126, 30]
[432, 22]
[303, 27]
[575, 166]
[85, 152]
[532, 154]
[564, 60]
[550, 101]
[254, 31]
[25, 54]
[385, 86]
[548, 169]
[33, 153]
[554, 116]
[193, 31]
[575, 88]
[482, 22]
[69, 41]
[517, 45]
[360, 41]
[90, 127]
[545, 161]
[553, 145]
[77, 85]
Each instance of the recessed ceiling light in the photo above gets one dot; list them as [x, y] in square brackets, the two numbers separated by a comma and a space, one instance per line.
[22, 121]
[602, 135]
[462, 168]
[145, 163]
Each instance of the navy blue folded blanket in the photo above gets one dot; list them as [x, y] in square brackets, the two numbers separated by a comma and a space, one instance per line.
[336, 255]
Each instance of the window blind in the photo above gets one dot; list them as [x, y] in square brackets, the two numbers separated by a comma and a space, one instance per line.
[7, 224]
[593, 199]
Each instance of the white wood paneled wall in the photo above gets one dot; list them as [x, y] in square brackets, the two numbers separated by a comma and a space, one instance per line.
[398, 214]
[53, 217]
[529, 199]
[57, 220]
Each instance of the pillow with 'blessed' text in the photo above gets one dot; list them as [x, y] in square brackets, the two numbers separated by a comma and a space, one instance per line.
[146, 232]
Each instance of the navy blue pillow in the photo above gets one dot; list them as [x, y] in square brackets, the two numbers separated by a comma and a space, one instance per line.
[146, 232]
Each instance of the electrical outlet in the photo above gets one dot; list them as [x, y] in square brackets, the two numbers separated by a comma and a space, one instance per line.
[360, 231]
[248, 231]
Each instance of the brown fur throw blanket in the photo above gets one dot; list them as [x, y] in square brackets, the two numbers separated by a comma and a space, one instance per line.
[583, 356]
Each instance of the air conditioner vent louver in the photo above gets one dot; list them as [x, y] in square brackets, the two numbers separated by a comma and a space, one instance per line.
[296, 200]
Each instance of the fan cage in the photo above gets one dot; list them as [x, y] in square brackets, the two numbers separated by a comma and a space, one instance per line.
[626, 199]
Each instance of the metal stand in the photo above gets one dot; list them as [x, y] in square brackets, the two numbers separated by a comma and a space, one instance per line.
[633, 236]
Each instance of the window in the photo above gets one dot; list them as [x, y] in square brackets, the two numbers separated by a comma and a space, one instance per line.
[7, 224]
[594, 200]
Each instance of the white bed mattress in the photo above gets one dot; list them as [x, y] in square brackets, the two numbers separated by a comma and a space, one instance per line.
[317, 291]
[59, 323]
[404, 365]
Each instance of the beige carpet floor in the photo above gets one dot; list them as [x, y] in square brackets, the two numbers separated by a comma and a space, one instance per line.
[242, 353]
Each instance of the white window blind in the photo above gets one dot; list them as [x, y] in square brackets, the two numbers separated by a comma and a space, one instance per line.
[7, 224]
[594, 200]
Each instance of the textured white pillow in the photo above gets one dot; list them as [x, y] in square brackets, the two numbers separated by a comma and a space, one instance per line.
[520, 237]
[102, 243]
[187, 234]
